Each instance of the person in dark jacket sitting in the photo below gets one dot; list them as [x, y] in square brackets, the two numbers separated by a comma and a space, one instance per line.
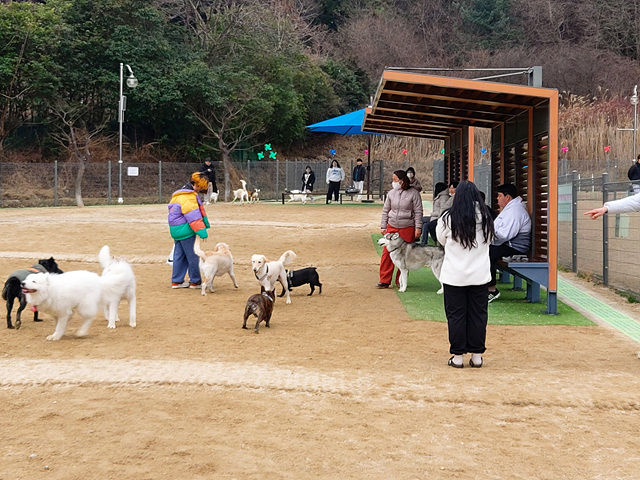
[634, 175]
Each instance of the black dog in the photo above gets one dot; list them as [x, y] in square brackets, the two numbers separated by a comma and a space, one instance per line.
[13, 288]
[295, 278]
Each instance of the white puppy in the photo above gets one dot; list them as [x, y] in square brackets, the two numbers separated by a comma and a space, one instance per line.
[300, 197]
[241, 193]
[124, 288]
[77, 291]
[214, 196]
[268, 273]
[214, 264]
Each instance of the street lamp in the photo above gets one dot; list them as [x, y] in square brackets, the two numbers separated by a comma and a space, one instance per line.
[634, 102]
[132, 82]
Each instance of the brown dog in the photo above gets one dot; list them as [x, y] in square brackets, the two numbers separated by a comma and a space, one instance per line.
[260, 305]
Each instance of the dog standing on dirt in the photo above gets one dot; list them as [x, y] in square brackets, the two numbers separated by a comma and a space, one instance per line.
[296, 278]
[126, 288]
[261, 306]
[410, 256]
[241, 194]
[13, 288]
[214, 264]
[255, 196]
[268, 273]
[78, 291]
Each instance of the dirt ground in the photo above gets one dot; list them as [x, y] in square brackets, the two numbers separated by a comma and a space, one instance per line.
[343, 385]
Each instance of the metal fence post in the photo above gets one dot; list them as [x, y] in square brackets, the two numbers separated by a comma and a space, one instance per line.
[160, 181]
[55, 183]
[277, 178]
[286, 174]
[605, 234]
[574, 222]
[248, 172]
[109, 182]
[381, 177]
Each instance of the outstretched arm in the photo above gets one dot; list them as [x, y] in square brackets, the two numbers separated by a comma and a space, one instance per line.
[597, 212]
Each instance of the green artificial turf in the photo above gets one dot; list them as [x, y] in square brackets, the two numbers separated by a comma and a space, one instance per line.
[422, 303]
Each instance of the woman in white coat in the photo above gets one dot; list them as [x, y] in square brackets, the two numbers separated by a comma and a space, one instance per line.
[466, 231]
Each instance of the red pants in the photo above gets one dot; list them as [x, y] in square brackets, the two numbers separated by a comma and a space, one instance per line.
[408, 234]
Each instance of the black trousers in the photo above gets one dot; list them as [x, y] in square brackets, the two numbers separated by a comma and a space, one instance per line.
[496, 252]
[334, 188]
[432, 230]
[466, 310]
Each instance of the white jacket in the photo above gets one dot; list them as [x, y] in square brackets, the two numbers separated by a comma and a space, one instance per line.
[462, 267]
[627, 204]
[513, 226]
[335, 174]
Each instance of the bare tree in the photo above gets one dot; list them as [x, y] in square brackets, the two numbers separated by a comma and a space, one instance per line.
[74, 135]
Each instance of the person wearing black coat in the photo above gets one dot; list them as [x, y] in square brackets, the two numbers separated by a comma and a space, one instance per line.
[209, 173]
[308, 179]
[634, 175]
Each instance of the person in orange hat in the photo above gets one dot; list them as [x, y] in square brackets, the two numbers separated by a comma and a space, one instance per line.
[187, 218]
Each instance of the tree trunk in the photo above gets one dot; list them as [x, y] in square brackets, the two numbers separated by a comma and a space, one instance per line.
[225, 154]
[79, 176]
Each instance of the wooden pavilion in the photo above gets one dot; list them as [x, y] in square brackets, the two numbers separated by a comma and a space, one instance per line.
[524, 147]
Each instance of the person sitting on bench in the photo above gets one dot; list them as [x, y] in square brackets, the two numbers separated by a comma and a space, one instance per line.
[512, 231]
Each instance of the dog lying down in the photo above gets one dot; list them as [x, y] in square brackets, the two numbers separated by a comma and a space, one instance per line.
[269, 272]
[261, 306]
[410, 256]
[214, 264]
[296, 278]
[83, 292]
[13, 288]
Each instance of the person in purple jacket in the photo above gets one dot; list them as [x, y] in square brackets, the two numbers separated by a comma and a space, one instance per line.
[187, 218]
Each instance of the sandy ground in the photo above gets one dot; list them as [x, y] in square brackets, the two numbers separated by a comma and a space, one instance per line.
[343, 385]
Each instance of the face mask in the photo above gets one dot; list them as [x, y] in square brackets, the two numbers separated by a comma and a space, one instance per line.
[410, 175]
[395, 185]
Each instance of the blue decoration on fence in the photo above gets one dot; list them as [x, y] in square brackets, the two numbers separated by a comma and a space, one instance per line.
[483, 150]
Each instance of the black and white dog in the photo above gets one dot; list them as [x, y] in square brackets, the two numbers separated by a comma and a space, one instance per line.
[13, 289]
[295, 278]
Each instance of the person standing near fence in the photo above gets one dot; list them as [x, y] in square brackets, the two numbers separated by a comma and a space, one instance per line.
[634, 175]
[209, 173]
[415, 183]
[335, 175]
[187, 218]
[308, 179]
[466, 231]
[359, 174]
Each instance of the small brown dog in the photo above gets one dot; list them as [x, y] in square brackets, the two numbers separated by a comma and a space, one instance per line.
[260, 305]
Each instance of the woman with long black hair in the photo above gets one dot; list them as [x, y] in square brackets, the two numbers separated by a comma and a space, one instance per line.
[466, 231]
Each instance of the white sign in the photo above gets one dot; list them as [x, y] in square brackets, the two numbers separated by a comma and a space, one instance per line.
[132, 171]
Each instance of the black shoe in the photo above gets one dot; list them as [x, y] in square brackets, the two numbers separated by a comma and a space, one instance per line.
[382, 285]
[493, 295]
[454, 365]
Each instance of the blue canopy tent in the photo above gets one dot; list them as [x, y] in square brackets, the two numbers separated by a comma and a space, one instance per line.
[347, 124]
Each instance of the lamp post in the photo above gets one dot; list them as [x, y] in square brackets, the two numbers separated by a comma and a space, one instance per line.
[132, 82]
[634, 102]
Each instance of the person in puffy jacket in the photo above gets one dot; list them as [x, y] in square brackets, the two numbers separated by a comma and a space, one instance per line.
[402, 213]
[187, 218]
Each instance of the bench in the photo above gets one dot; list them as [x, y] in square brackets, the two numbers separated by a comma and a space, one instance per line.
[534, 273]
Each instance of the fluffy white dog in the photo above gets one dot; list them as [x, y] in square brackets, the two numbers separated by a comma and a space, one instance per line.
[126, 288]
[299, 196]
[268, 273]
[214, 264]
[78, 291]
[241, 193]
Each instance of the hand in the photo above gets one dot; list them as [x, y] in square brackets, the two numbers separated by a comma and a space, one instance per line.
[383, 231]
[418, 233]
[597, 212]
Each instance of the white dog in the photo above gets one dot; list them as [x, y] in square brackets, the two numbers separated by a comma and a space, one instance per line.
[241, 193]
[214, 196]
[268, 273]
[214, 264]
[77, 291]
[125, 288]
[255, 196]
[298, 196]
[409, 256]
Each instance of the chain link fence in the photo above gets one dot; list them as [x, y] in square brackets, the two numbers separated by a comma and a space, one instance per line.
[54, 184]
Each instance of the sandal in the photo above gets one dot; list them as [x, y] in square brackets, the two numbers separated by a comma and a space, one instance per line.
[475, 365]
[454, 365]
